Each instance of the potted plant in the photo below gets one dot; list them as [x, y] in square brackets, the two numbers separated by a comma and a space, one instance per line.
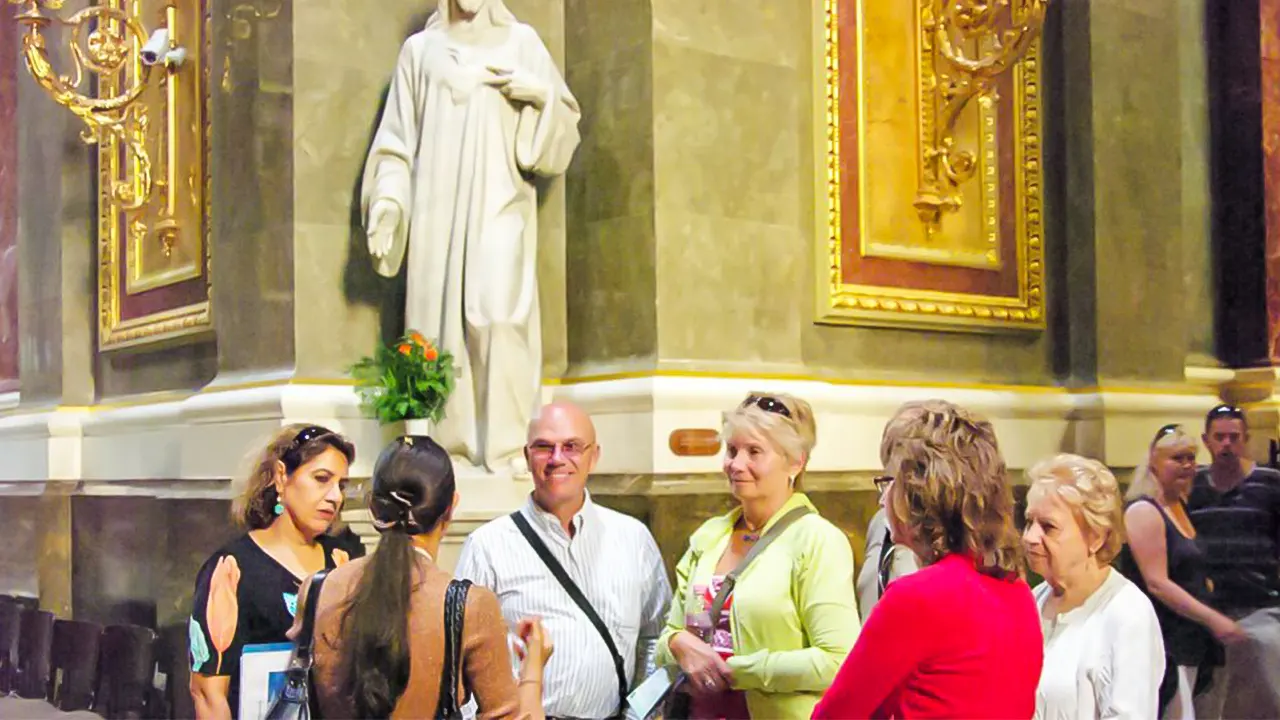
[408, 381]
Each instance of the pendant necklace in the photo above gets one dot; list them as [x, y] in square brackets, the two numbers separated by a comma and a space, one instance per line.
[752, 534]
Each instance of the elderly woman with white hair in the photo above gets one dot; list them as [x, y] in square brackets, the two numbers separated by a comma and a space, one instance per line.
[764, 612]
[1103, 653]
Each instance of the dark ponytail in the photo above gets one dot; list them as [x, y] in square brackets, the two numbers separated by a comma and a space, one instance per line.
[411, 493]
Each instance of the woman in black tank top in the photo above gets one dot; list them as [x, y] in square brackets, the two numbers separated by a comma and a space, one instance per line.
[1164, 558]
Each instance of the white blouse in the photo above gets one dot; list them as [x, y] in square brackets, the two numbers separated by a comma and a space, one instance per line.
[1104, 659]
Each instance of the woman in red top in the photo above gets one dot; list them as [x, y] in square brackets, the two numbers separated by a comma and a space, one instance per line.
[961, 637]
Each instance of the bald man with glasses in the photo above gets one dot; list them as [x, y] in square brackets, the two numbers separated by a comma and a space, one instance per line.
[593, 575]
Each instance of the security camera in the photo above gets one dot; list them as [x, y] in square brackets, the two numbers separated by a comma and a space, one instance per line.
[156, 48]
[174, 57]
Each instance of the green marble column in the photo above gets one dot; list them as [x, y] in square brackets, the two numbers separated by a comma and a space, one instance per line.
[57, 219]
[610, 263]
[1130, 148]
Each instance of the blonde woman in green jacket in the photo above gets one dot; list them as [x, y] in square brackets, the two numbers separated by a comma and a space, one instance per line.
[791, 618]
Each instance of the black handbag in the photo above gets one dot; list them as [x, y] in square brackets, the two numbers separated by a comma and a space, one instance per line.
[455, 611]
[296, 701]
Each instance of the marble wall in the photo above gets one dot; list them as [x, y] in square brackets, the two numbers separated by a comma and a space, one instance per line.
[19, 553]
[695, 189]
[610, 261]
[1123, 191]
[56, 232]
[251, 185]
[8, 200]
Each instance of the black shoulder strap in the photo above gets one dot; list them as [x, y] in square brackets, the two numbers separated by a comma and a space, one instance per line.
[717, 605]
[303, 645]
[455, 611]
[885, 565]
[574, 592]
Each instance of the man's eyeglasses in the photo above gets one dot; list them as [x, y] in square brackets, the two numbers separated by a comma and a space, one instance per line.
[572, 449]
[767, 404]
[882, 483]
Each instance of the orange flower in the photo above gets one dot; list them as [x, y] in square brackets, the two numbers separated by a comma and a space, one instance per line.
[405, 349]
[416, 338]
[222, 610]
[431, 353]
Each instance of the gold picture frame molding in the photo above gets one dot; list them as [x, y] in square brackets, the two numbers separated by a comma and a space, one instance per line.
[180, 210]
[842, 303]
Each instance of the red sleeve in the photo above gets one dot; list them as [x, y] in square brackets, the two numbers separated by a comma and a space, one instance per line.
[892, 644]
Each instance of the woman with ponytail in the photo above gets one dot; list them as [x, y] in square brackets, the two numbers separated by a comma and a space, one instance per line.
[380, 622]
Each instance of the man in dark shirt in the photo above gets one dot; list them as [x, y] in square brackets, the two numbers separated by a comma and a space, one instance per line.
[1235, 507]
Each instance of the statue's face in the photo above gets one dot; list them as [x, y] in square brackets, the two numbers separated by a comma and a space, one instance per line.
[470, 7]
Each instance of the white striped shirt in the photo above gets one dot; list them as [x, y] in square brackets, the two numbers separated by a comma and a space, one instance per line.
[614, 561]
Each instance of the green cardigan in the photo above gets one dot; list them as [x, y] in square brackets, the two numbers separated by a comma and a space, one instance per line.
[794, 615]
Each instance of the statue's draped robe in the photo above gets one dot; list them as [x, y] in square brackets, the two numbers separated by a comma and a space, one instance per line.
[456, 155]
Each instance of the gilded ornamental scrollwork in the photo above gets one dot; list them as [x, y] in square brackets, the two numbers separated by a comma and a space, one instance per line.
[929, 162]
[136, 76]
[966, 47]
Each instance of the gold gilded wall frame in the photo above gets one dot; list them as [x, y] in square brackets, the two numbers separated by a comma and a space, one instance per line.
[146, 293]
[851, 303]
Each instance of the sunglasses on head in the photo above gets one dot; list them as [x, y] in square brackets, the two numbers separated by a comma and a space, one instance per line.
[305, 436]
[767, 404]
[1227, 411]
[308, 434]
[1165, 431]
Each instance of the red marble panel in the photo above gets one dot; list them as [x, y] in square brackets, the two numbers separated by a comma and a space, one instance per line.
[8, 200]
[905, 274]
[1270, 10]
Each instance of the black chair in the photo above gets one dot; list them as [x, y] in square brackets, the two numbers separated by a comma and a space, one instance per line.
[27, 602]
[35, 642]
[74, 664]
[10, 624]
[172, 653]
[127, 667]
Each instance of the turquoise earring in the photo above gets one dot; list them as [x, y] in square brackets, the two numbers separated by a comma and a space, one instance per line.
[278, 509]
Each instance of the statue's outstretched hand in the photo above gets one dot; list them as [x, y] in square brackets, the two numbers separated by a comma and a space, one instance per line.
[384, 217]
[519, 86]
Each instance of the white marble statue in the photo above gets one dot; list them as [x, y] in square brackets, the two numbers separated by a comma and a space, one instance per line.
[476, 107]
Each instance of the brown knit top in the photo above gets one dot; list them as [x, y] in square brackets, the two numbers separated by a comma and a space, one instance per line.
[485, 658]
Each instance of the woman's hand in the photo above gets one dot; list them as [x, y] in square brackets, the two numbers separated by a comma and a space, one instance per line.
[1228, 631]
[537, 641]
[708, 673]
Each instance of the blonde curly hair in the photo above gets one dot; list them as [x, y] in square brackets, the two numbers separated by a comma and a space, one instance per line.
[951, 487]
[1092, 493]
